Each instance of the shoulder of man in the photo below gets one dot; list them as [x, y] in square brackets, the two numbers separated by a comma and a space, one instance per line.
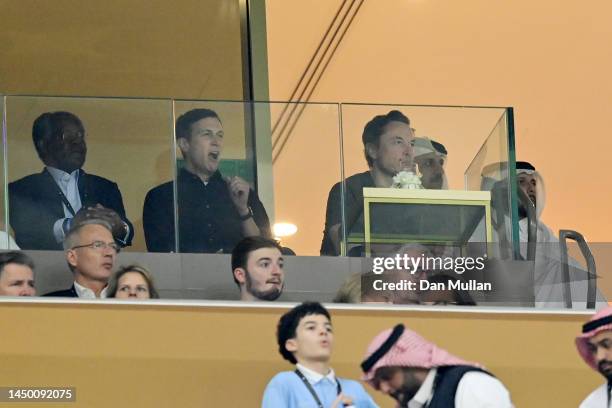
[480, 387]
[596, 398]
[278, 391]
[162, 189]
[357, 180]
[92, 178]
[26, 182]
[283, 377]
[62, 293]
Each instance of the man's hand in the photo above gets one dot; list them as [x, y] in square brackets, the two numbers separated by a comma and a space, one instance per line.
[342, 399]
[239, 193]
[118, 227]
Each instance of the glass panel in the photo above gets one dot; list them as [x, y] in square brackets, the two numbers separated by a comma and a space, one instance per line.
[426, 150]
[305, 166]
[121, 146]
[287, 163]
[437, 144]
[493, 169]
[5, 239]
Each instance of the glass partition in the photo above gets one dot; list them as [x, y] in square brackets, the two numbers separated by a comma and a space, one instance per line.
[415, 201]
[306, 163]
[493, 169]
[65, 154]
[436, 144]
[5, 237]
[196, 176]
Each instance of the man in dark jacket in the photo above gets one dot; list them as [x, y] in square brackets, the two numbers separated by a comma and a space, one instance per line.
[43, 206]
[214, 212]
[91, 252]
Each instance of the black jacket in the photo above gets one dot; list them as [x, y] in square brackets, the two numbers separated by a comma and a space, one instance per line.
[207, 218]
[35, 205]
[71, 292]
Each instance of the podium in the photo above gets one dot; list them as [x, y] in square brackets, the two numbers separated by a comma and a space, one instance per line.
[393, 217]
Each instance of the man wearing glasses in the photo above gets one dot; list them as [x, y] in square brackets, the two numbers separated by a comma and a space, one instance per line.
[43, 206]
[90, 252]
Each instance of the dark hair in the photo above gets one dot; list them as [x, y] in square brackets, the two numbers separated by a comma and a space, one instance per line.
[241, 251]
[15, 257]
[49, 125]
[184, 122]
[113, 285]
[288, 323]
[376, 127]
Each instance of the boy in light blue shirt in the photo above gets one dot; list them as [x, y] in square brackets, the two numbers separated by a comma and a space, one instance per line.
[305, 338]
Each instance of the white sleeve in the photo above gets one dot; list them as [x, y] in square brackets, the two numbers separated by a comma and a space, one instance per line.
[596, 399]
[480, 390]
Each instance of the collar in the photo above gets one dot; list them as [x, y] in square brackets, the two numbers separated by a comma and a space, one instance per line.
[425, 392]
[187, 175]
[313, 377]
[87, 293]
[60, 175]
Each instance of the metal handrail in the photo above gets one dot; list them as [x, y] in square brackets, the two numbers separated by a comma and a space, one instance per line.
[564, 235]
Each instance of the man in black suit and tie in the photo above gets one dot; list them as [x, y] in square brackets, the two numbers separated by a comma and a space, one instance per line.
[44, 206]
[91, 252]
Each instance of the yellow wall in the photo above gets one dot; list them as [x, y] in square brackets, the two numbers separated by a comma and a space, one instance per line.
[547, 59]
[153, 48]
[162, 356]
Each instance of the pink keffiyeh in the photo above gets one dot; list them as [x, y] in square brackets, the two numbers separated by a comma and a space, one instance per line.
[409, 350]
[601, 321]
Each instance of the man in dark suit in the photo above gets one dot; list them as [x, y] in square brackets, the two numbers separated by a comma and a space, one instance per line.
[44, 206]
[91, 252]
[214, 212]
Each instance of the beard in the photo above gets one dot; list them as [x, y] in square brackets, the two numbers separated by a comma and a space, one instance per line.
[270, 294]
[434, 182]
[408, 390]
[605, 369]
[403, 396]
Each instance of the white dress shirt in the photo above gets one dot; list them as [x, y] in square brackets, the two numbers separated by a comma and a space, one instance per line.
[87, 293]
[475, 390]
[69, 185]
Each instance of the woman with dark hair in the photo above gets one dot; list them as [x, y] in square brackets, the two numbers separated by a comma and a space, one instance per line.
[132, 282]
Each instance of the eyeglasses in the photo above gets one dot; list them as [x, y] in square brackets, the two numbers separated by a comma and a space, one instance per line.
[73, 136]
[100, 246]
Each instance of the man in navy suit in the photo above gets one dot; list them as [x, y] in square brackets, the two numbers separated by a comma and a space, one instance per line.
[44, 206]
